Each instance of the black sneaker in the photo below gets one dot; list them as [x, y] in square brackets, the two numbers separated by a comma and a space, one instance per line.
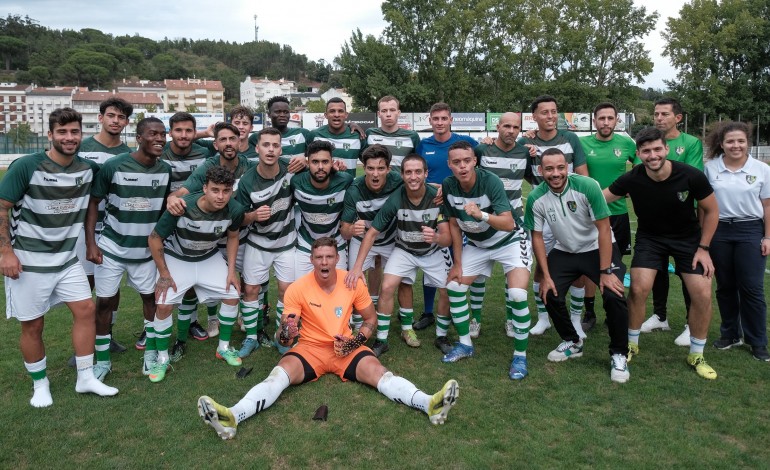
[142, 341]
[589, 321]
[727, 343]
[425, 321]
[116, 347]
[198, 332]
[177, 351]
[760, 353]
[71, 362]
[380, 347]
[443, 344]
[264, 340]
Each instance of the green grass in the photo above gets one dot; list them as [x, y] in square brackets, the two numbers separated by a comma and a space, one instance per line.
[566, 414]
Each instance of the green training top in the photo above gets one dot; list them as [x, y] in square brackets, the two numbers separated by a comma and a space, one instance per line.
[607, 161]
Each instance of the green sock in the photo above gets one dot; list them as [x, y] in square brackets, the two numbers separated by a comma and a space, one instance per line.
[251, 313]
[407, 318]
[517, 302]
[150, 344]
[458, 307]
[102, 347]
[442, 325]
[184, 317]
[211, 311]
[383, 326]
[227, 315]
[162, 332]
[478, 289]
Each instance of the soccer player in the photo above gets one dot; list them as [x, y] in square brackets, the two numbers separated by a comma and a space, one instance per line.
[664, 194]
[293, 139]
[194, 261]
[271, 238]
[682, 148]
[508, 160]
[322, 302]
[607, 155]
[545, 112]
[478, 207]
[578, 217]
[134, 187]
[243, 119]
[400, 142]
[421, 233]
[435, 151]
[113, 118]
[48, 193]
[347, 142]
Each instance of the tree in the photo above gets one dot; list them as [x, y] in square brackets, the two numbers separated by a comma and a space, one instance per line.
[191, 108]
[10, 48]
[21, 135]
[151, 108]
[315, 106]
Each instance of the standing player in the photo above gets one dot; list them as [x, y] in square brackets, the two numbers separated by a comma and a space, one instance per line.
[347, 143]
[435, 151]
[243, 119]
[478, 208]
[682, 148]
[420, 234]
[324, 304]
[546, 114]
[607, 155]
[664, 195]
[293, 139]
[134, 187]
[400, 142]
[49, 189]
[578, 216]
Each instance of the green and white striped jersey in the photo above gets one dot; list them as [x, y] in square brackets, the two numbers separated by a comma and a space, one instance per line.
[510, 167]
[488, 193]
[363, 204]
[198, 177]
[320, 209]
[347, 145]
[134, 195]
[92, 149]
[278, 232]
[194, 235]
[293, 142]
[400, 143]
[183, 166]
[410, 218]
[250, 153]
[566, 141]
[50, 203]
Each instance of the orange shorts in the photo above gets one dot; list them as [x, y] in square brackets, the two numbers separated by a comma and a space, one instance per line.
[319, 360]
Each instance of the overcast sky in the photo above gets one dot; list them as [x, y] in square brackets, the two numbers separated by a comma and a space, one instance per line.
[307, 26]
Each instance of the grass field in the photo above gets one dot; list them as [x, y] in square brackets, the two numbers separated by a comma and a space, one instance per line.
[566, 414]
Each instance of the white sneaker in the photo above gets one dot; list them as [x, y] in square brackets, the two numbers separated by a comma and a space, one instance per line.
[577, 324]
[654, 323]
[213, 327]
[509, 329]
[684, 338]
[475, 328]
[566, 350]
[539, 328]
[619, 369]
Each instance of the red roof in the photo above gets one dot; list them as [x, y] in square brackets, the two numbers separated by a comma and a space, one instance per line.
[133, 98]
[55, 91]
[194, 84]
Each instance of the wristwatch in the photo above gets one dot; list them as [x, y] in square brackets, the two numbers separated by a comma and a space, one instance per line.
[485, 217]
[606, 271]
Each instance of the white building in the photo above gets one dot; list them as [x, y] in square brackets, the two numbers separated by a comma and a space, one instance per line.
[338, 93]
[257, 91]
[87, 103]
[42, 100]
[13, 105]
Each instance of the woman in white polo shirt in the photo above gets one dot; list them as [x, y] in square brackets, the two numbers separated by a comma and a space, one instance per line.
[741, 243]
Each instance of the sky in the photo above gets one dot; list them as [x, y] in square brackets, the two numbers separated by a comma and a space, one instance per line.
[319, 33]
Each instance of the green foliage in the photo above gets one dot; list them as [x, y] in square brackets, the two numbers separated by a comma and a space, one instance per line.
[191, 108]
[315, 106]
[151, 108]
[10, 48]
[21, 134]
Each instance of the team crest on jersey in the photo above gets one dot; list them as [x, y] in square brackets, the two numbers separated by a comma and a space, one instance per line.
[155, 184]
[751, 179]
[682, 195]
[398, 144]
[679, 150]
[426, 218]
[617, 152]
[572, 205]
[338, 311]
[79, 181]
[346, 146]
[331, 201]
[218, 230]
[292, 141]
[193, 167]
[285, 184]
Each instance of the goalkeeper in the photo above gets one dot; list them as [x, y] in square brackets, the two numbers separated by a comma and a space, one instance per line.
[324, 304]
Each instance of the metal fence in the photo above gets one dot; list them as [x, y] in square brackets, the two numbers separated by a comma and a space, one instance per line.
[34, 144]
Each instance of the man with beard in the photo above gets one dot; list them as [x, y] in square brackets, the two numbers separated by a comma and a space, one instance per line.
[134, 187]
[48, 193]
[347, 142]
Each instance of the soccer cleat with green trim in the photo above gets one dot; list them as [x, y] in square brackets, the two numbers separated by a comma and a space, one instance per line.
[230, 356]
[698, 363]
[443, 401]
[218, 417]
[158, 371]
[633, 350]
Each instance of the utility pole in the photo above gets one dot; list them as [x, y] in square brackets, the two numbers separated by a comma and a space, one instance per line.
[256, 30]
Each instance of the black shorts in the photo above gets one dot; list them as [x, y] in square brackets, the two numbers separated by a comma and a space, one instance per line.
[652, 252]
[621, 227]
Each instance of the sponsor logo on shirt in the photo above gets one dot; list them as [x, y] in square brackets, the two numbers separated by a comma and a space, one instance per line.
[50, 180]
[133, 180]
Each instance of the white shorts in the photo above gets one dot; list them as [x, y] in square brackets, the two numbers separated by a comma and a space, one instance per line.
[258, 262]
[33, 294]
[107, 276]
[435, 267]
[303, 265]
[80, 250]
[208, 277]
[479, 261]
[383, 251]
[238, 258]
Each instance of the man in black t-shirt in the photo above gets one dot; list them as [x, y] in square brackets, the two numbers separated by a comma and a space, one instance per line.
[663, 193]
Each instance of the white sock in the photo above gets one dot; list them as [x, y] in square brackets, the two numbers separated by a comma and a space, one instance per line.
[697, 345]
[41, 395]
[400, 390]
[86, 382]
[262, 395]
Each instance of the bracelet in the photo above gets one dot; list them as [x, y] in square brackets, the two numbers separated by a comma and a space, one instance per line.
[704, 247]
[765, 238]
[485, 217]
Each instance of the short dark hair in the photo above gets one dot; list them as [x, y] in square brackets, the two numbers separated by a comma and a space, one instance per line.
[319, 146]
[118, 103]
[715, 138]
[416, 157]
[543, 99]
[676, 107]
[440, 106]
[388, 98]
[142, 124]
[64, 116]
[276, 99]
[461, 145]
[323, 241]
[336, 99]
[181, 116]
[649, 134]
[552, 151]
[376, 151]
[221, 126]
[220, 175]
[268, 131]
[241, 111]
[605, 105]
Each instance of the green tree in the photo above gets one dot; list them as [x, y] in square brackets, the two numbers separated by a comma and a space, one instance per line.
[21, 134]
[151, 108]
[171, 108]
[315, 106]
[191, 108]
[10, 48]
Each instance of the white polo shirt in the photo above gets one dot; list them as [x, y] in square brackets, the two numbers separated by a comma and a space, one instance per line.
[739, 193]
